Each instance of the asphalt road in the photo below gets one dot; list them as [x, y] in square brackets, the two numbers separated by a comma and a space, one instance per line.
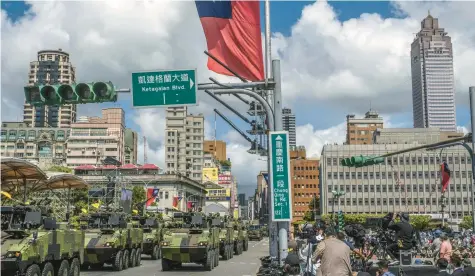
[245, 264]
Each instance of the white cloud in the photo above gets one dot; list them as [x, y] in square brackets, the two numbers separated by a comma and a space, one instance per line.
[324, 62]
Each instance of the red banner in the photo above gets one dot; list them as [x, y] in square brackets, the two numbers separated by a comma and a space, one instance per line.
[225, 179]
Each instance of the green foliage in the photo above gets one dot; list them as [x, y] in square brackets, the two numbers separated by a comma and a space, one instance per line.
[420, 222]
[60, 169]
[466, 222]
[225, 163]
[79, 200]
[138, 195]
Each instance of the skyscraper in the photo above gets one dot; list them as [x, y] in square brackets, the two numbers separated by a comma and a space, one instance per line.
[184, 142]
[288, 124]
[52, 67]
[433, 92]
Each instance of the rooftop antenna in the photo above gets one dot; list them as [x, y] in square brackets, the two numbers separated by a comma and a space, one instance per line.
[369, 105]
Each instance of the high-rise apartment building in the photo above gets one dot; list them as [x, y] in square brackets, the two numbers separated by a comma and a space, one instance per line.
[433, 92]
[94, 139]
[359, 131]
[184, 142]
[288, 124]
[216, 148]
[131, 142]
[52, 67]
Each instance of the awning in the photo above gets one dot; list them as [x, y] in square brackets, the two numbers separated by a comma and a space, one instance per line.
[14, 168]
[85, 167]
[64, 181]
[128, 166]
[149, 167]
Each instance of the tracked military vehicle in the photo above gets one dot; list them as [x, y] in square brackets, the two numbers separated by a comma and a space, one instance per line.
[110, 239]
[195, 242]
[226, 244]
[34, 244]
[152, 236]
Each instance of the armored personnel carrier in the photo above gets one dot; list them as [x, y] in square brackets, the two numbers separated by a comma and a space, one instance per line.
[34, 244]
[195, 242]
[254, 232]
[241, 241]
[110, 239]
[152, 236]
[226, 244]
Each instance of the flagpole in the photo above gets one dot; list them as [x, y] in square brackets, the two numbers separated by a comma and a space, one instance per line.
[268, 40]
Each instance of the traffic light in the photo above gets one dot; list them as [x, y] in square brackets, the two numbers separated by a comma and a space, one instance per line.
[361, 161]
[341, 221]
[57, 94]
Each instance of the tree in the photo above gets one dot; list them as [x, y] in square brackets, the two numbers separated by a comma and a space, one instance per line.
[315, 202]
[79, 200]
[225, 163]
[466, 222]
[60, 169]
[138, 195]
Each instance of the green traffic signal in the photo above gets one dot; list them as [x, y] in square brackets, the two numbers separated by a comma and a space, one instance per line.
[361, 161]
[57, 94]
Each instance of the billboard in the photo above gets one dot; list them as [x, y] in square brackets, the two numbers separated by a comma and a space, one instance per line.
[210, 174]
[218, 194]
[225, 179]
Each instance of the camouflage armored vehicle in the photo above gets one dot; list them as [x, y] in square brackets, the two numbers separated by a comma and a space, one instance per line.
[110, 239]
[226, 232]
[264, 230]
[34, 244]
[194, 242]
[241, 241]
[254, 232]
[152, 236]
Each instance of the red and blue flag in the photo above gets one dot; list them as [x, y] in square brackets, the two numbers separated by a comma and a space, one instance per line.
[233, 36]
[445, 175]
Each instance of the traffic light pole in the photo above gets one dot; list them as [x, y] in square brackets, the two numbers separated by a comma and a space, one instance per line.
[471, 93]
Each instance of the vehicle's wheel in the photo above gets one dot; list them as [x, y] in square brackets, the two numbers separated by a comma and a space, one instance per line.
[155, 252]
[225, 253]
[232, 251]
[209, 262]
[63, 269]
[133, 257]
[75, 267]
[48, 270]
[138, 257]
[246, 245]
[33, 270]
[126, 260]
[217, 257]
[118, 264]
[159, 253]
[166, 266]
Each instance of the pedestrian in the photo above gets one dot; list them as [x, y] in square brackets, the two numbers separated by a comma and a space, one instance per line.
[341, 237]
[442, 265]
[457, 263]
[445, 248]
[383, 269]
[334, 255]
[292, 261]
[435, 246]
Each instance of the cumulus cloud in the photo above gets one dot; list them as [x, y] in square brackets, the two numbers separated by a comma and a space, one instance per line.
[326, 63]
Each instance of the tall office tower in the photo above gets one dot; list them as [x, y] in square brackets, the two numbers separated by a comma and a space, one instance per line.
[52, 67]
[433, 92]
[184, 142]
[288, 124]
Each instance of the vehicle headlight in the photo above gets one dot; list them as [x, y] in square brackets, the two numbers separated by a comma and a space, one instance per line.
[164, 243]
[13, 254]
[109, 244]
[202, 244]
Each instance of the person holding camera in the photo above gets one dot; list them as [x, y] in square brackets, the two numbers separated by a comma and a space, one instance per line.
[404, 234]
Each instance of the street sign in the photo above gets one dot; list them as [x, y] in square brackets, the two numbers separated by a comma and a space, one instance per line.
[164, 88]
[280, 176]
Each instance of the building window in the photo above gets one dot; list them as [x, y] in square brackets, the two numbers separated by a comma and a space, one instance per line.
[166, 195]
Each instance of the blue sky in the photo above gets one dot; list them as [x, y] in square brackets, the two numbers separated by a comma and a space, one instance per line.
[283, 16]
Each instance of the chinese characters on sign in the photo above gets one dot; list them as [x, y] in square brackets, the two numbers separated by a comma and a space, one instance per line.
[224, 179]
[280, 176]
[218, 194]
[164, 88]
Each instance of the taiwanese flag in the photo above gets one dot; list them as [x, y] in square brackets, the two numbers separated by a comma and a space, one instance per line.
[175, 202]
[233, 36]
[152, 193]
[189, 205]
[445, 175]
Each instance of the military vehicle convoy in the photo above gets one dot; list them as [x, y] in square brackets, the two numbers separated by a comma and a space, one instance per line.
[34, 244]
[152, 236]
[197, 241]
[111, 239]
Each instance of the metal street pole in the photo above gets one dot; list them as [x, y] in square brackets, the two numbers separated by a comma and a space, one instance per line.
[472, 119]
